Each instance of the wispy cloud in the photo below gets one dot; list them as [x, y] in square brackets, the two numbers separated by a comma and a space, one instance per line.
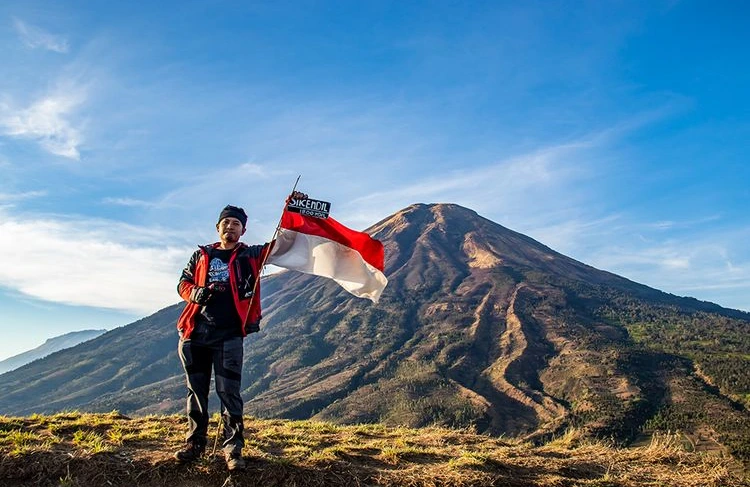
[707, 261]
[131, 202]
[47, 121]
[36, 38]
[672, 225]
[571, 233]
[252, 169]
[90, 263]
[704, 260]
[504, 189]
[230, 185]
[12, 197]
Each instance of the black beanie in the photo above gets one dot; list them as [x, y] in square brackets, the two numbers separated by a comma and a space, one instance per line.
[234, 212]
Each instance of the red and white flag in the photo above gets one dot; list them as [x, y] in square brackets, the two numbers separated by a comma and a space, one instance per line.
[325, 247]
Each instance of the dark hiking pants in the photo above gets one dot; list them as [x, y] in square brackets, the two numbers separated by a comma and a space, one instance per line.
[226, 360]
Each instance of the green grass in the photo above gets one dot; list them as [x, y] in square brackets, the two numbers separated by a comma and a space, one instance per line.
[91, 441]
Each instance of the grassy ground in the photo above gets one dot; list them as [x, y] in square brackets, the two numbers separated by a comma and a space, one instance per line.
[75, 449]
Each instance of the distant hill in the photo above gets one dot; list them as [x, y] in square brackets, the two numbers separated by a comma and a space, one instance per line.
[50, 346]
[480, 326]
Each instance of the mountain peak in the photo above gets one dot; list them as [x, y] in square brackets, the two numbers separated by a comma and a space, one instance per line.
[423, 214]
[448, 234]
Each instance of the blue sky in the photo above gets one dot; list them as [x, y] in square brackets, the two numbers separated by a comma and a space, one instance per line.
[614, 132]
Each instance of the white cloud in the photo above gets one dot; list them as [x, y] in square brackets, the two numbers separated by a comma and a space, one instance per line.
[35, 37]
[250, 168]
[91, 263]
[673, 225]
[501, 191]
[131, 202]
[565, 234]
[709, 263]
[47, 122]
[706, 263]
[10, 197]
[237, 185]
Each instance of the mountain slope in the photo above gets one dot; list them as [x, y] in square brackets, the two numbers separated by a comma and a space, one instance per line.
[479, 325]
[50, 346]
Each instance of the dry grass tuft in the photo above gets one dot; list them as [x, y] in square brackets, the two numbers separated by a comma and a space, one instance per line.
[77, 449]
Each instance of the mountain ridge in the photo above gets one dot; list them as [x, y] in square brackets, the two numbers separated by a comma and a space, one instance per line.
[50, 346]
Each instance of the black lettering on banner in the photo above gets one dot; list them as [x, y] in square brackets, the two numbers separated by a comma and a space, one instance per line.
[309, 207]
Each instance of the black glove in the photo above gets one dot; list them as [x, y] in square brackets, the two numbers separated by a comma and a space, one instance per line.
[252, 327]
[200, 295]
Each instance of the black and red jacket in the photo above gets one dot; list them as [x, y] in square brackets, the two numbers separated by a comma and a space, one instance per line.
[244, 265]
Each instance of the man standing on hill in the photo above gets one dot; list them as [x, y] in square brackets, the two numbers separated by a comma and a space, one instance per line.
[219, 285]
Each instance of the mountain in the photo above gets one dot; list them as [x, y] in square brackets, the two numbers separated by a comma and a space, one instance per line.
[479, 326]
[50, 346]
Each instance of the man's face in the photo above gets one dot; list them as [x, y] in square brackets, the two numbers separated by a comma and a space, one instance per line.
[230, 229]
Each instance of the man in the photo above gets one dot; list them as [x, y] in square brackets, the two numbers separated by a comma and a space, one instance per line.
[219, 285]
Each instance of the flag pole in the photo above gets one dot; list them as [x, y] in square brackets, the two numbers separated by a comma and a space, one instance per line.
[265, 255]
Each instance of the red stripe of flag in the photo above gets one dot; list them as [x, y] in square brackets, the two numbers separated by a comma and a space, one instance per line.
[370, 249]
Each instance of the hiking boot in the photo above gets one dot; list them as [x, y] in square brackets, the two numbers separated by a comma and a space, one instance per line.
[191, 452]
[234, 460]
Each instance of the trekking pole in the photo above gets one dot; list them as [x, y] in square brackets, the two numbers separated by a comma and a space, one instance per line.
[218, 431]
